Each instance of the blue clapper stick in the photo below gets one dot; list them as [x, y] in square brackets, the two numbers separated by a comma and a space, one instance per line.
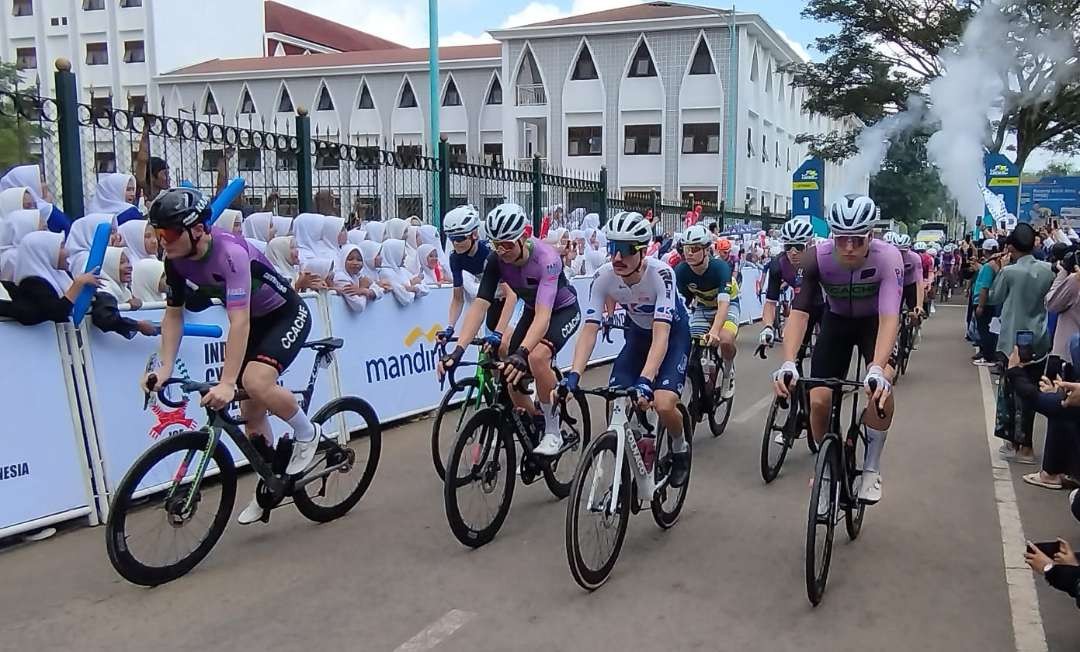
[196, 330]
[93, 264]
[225, 198]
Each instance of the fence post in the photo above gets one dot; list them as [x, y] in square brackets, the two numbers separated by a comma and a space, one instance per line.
[603, 195]
[537, 194]
[67, 104]
[304, 192]
[444, 186]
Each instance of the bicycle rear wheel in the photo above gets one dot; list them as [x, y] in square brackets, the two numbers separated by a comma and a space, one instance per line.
[163, 503]
[721, 409]
[479, 483]
[667, 503]
[854, 511]
[455, 408]
[333, 496]
[821, 524]
[781, 421]
[596, 520]
[559, 471]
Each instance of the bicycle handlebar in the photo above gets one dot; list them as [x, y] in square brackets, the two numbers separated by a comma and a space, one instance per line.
[188, 386]
[839, 383]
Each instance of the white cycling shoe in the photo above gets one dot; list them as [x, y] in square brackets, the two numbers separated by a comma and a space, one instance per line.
[252, 513]
[550, 445]
[729, 389]
[869, 487]
[303, 453]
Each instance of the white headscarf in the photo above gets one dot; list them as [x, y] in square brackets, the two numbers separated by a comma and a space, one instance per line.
[19, 224]
[369, 249]
[146, 279]
[393, 270]
[81, 239]
[308, 228]
[555, 235]
[282, 226]
[277, 252]
[395, 228]
[134, 234]
[594, 260]
[422, 254]
[11, 200]
[229, 220]
[109, 198]
[430, 235]
[341, 275]
[332, 227]
[28, 176]
[590, 221]
[38, 255]
[110, 275]
[257, 226]
[376, 231]
[356, 236]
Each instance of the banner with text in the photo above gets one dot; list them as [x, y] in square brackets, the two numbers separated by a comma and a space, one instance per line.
[1003, 179]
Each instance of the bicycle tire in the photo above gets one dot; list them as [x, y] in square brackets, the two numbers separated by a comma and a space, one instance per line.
[815, 579]
[587, 578]
[562, 489]
[720, 414]
[120, 555]
[666, 518]
[855, 511]
[448, 404]
[770, 470]
[489, 422]
[332, 450]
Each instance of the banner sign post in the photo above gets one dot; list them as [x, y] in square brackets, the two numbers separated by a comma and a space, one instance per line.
[1003, 179]
[808, 194]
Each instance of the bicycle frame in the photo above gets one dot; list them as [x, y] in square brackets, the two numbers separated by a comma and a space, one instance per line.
[646, 484]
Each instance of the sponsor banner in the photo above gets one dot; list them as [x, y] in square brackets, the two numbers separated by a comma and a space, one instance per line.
[1003, 179]
[749, 299]
[1050, 196]
[125, 430]
[808, 193]
[42, 456]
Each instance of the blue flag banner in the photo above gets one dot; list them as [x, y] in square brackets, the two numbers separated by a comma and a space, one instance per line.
[808, 194]
[1003, 179]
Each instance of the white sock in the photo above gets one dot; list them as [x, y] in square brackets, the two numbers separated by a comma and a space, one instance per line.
[678, 444]
[301, 425]
[551, 421]
[875, 444]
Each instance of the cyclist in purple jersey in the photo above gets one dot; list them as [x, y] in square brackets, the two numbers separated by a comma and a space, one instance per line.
[862, 280]
[532, 269]
[268, 322]
[913, 275]
[795, 236]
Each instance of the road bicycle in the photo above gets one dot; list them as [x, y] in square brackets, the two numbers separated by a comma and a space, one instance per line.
[623, 469]
[705, 370]
[170, 490]
[460, 402]
[482, 466]
[905, 342]
[788, 420]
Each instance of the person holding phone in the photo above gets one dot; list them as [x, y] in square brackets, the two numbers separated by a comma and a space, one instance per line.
[1058, 564]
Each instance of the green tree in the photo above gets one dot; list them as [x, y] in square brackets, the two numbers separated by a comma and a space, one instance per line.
[908, 189]
[887, 49]
[1057, 169]
[20, 129]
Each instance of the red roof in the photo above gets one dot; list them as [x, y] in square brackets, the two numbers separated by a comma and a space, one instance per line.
[300, 24]
[646, 11]
[335, 59]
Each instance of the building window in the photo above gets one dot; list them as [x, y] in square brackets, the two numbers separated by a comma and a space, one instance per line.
[749, 142]
[105, 162]
[493, 154]
[366, 208]
[457, 153]
[642, 65]
[247, 105]
[495, 93]
[286, 161]
[126, 4]
[325, 103]
[702, 64]
[210, 106]
[408, 98]
[284, 102]
[776, 158]
[22, 8]
[708, 199]
[365, 99]
[368, 158]
[25, 58]
[451, 97]
[789, 157]
[584, 68]
[407, 155]
[249, 159]
[137, 104]
[701, 138]
[100, 107]
[764, 149]
[93, 5]
[211, 158]
[97, 54]
[409, 206]
[134, 52]
[328, 157]
[642, 139]
[584, 141]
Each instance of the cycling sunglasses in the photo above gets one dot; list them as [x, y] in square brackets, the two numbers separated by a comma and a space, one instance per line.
[796, 247]
[624, 249]
[458, 238]
[503, 245]
[169, 235]
[852, 241]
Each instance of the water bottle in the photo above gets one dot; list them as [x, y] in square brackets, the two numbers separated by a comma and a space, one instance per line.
[708, 365]
[647, 447]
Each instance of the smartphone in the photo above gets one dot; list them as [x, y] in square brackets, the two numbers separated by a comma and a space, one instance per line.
[1048, 548]
[1054, 367]
[1025, 344]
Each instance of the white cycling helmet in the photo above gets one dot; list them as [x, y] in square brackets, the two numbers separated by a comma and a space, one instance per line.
[919, 246]
[949, 248]
[891, 237]
[903, 241]
[698, 235]
[852, 215]
[933, 250]
[462, 220]
[796, 232]
[628, 227]
[506, 222]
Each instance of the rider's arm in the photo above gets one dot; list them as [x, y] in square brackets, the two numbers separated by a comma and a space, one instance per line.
[172, 324]
[723, 298]
[474, 317]
[772, 294]
[802, 304]
[236, 344]
[509, 303]
[890, 297]
[546, 292]
[457, 303]
[594, 307]
[663, 314]
[586, 342]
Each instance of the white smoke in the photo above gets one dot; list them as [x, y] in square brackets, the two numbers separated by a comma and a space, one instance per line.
[874, 141]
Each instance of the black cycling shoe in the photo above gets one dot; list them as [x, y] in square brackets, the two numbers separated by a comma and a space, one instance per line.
[680, 469]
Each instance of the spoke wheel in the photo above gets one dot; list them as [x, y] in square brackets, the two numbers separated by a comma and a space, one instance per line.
[781, 421]
[559, 471]
[160, 528]
[667, 503]
[721, 408]
[596, 520]
[480, 476]
[821, 526]
[455, 408]
[855, 511]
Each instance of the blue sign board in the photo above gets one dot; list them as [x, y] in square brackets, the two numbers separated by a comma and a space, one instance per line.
[808, 194]
[1002, 179]
[1050, 196]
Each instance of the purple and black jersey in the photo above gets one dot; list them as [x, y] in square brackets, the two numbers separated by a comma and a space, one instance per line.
[874, 288]
[539, 281]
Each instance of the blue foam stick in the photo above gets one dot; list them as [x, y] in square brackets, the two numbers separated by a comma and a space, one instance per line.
[187, 184]
[225, 198]
[196, 330]
[93, 263]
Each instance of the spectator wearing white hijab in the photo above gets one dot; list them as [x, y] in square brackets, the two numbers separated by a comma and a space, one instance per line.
[580, 245]
[29, 178]
[403, 284]
[284, 255]
[148, 280]
[349, 280]
[258, 229]
[376, 231]
[370, 254]
[431, 268]
[314, 254]
[115, 195]
[18, 225]
[282, 226]
[43, 289]
[138, 239]
[395, 229]
[82, 238]
[590, 221]
[114, 290]
[230, 220]
[334, 234]
[430, 235]
[356, 236]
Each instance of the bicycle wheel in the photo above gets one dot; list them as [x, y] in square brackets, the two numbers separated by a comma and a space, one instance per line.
[821, 527]
[596, 520]
[331, 497]
[773, 454]
[457, 405]
[721, 408]
[164, 496]
[559, 472]
[481, 458]
[854, 511]
[668, 502]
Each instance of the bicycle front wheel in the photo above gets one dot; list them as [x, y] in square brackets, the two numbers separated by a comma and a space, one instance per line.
[458, 404]
[353, 459]
[821, 522]
[781, 423]
[559, 472]
[479, 483]
[166, 515]
[596, 519]
[721, 410]
[667, 503]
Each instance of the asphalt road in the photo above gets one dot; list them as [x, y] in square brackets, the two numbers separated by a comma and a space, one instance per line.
[926, 574]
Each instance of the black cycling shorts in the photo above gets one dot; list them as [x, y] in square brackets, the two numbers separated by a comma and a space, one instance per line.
[564, 322]
[494, 312]
[836, 340]
[276, 337]
[812, 320]
[911, 296]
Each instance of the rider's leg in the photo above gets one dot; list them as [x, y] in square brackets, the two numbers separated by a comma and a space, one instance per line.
[877, 429]
[820, 403]
[564, 322]
[727, 351]
[256, 422]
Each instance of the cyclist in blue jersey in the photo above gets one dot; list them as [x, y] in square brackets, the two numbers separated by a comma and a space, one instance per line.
[785, 269]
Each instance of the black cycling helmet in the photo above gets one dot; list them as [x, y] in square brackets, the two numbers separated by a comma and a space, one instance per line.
[179, 208]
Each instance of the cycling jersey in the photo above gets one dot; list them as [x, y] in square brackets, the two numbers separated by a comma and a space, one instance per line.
[927, 265]
[238, 274]
[707, 289]
[652, 298]
[472, 263]
[913, 267]
[874, 288]
[539, 281]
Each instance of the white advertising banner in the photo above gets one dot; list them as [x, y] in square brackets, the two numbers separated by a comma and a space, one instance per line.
[42, 454]
[749, 299]
[125, 429]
